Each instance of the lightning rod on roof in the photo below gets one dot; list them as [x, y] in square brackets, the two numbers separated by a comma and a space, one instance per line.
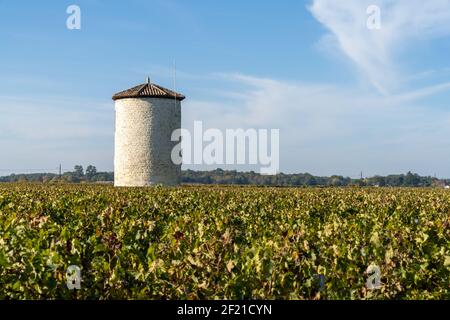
[174, 76]
[175, 80]
[148, 80]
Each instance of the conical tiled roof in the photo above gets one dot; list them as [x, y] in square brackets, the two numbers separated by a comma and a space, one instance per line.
[148, 90]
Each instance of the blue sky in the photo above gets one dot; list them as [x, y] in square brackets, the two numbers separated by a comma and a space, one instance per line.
[345, 98]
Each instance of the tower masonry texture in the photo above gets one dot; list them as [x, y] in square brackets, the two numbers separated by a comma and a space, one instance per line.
[146, 116]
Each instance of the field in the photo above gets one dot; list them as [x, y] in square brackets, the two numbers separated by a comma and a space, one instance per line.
[202, 242]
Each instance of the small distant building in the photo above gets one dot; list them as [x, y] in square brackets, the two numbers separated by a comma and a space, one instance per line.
[441, 184]
[146, 115]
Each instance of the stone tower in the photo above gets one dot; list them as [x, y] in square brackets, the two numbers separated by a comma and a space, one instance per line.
[146, 116]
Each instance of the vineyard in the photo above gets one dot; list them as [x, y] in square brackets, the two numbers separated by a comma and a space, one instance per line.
[199, 242]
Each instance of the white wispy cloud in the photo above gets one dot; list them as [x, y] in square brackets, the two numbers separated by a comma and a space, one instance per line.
[404, 25]
[328, 129]
[421, 93]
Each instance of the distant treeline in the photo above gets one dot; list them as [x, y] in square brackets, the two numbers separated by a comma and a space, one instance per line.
[219, 176]
[305, 179]
[78, 175]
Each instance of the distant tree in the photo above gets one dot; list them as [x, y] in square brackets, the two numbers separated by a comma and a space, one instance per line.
[377, 181]
[337, 181]
[309, 180]
[78, 171]
[411, 179]
[91, 171]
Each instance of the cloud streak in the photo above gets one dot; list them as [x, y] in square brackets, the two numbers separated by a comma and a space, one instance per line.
[404, 25]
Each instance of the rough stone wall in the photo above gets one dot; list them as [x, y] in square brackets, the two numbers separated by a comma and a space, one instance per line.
[143, 143]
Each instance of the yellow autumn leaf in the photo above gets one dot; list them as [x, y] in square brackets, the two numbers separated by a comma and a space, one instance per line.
[447, 261]
[230, 266]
